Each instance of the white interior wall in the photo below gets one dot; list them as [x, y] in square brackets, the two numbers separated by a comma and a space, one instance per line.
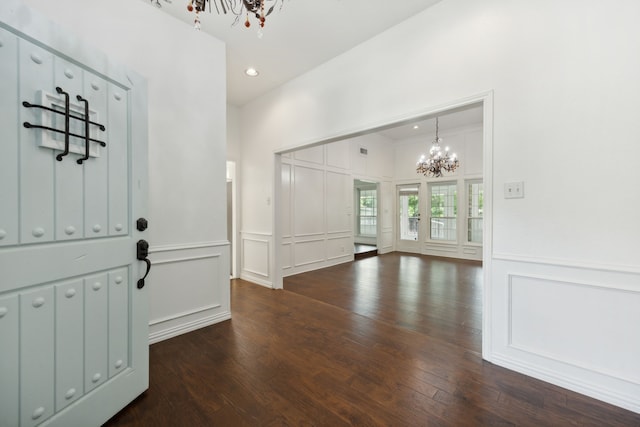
[564, 82]
[189, 280]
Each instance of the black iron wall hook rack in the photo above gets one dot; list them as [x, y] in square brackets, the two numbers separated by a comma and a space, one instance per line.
[66, 132]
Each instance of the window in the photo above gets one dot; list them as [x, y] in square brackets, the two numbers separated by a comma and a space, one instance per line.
[444, 212]
[367, 212]
[475, 193]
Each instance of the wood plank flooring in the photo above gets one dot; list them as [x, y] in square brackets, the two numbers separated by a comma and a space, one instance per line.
[339, 356]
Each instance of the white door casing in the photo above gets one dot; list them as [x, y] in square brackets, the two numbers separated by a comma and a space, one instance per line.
[73, 323]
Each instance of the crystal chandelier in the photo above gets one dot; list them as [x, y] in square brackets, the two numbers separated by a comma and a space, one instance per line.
[257, 8]
[438, 160]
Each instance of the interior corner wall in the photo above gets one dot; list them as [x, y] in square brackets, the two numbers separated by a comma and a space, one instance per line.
[189, 280]
[563, 78]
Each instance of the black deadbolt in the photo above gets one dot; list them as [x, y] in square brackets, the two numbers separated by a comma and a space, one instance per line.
[141, 224]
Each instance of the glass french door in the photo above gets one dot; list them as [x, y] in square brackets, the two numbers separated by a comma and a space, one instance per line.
[409, 225]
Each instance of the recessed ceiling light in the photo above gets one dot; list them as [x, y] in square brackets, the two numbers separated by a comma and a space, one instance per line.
[416, 127]
[251, 72]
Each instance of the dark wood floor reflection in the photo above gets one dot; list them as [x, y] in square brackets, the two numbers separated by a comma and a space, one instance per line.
[438, 297]
[340, 356]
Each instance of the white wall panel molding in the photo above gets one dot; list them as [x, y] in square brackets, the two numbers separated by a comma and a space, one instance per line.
[338, 235]
[174, 327]
[184, 259]
[257, 280]
[185, 314]
[316, 266]
[191, 288]
[472, 250]
[309, 252]
[563, 376]
[595, 309]
[569, 325]
[302, 241]
[256, 233]
[182, 247]
[500, 256]
[255, 256]
[307, 235]
[287, 249]
[434, 247]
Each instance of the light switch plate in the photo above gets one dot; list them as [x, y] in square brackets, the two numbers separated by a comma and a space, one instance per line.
[514, 190]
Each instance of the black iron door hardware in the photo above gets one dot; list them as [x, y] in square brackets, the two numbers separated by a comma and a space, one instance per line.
[142, 249]
[67, 133]
[86, 130]
[141, 224]
[66, 124]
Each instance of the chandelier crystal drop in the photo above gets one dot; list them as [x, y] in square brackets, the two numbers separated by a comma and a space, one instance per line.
[438, 161]
[260, 9]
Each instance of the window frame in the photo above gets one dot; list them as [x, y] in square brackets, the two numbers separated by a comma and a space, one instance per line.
[451, 219]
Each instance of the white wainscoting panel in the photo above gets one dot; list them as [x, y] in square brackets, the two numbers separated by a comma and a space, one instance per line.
[309, 252]
[189, 288]
[472, 252]
[308, 201]
[573, 326]
[285, 194]
[256, 257]
[287, 257]
[386, 241]
[541, 323]
[339, 247]
[440, 249]
[339, 196]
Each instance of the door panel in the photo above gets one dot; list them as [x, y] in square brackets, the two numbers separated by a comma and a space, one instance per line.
[96, 175]
[9, 375]
[96, 331]
[118, 321]
[69, 342]
[68, 198]
[36, 356]
[36, 176]
[73, 325]
[9, 142]
[117, 125]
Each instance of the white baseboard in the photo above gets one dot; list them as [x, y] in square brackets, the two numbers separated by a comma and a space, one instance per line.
[596, 391]
[174, 331]
[256, 280]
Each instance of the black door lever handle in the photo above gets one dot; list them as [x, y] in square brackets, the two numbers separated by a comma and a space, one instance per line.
[141, 281]
[142, 248]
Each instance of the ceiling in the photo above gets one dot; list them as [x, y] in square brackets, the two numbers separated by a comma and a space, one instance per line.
[300, 36]
[465, 116]
[297, 37]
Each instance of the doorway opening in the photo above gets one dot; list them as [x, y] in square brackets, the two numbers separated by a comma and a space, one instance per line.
[485, 103]
[231, 218]
[365, 227]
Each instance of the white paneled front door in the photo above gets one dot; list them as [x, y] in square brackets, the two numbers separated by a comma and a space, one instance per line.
[73, 323]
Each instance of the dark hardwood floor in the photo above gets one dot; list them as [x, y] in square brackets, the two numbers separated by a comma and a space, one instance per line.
[392, 340]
